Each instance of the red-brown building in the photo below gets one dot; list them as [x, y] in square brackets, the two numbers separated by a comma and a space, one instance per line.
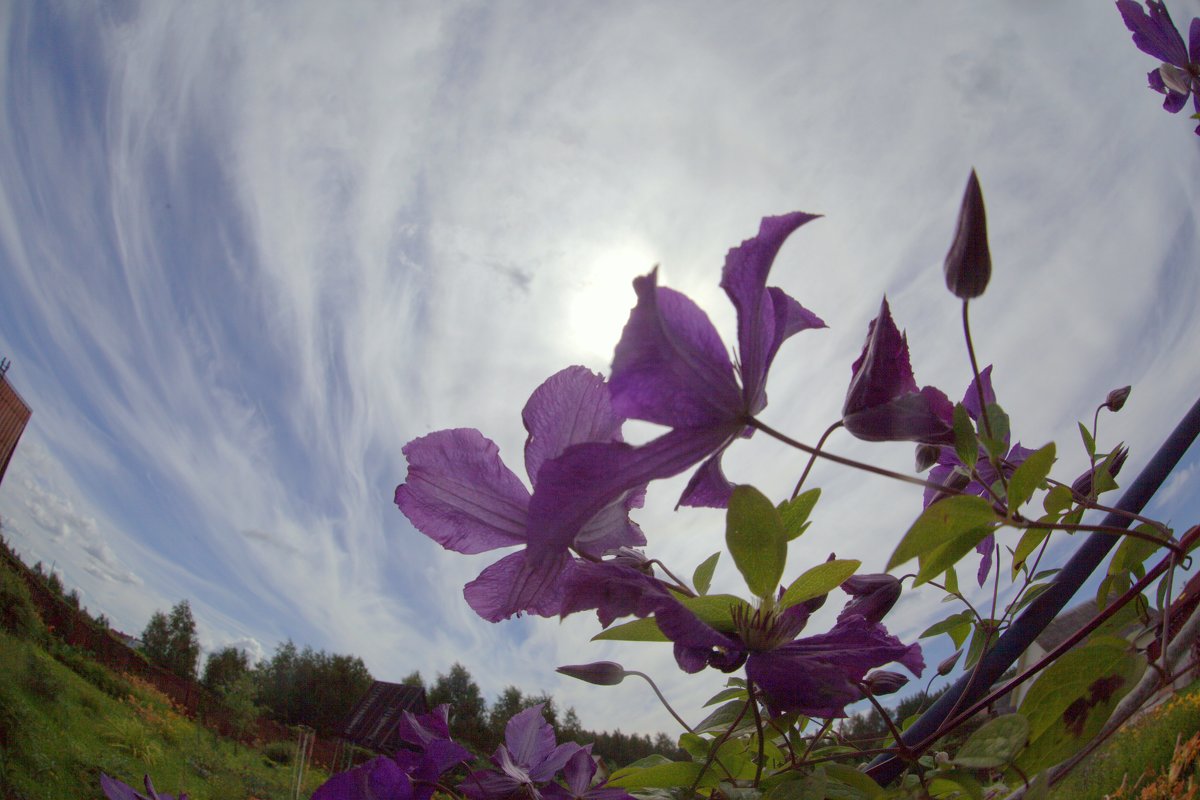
[14, 413]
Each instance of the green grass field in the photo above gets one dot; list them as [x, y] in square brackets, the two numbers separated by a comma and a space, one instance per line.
[59, 731]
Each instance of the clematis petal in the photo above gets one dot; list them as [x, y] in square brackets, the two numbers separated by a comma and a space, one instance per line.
[555, 760]
[790, 316]
[579, 771]
[378, 779]
[1154, 33]
[491, 594]
[971, 398]
[883, 371]
[670, 366]
[528, 736]
[761, 327]
[708, 487]
[575, 487]
[571, 407]
[460, 494]
[791, 683]
[985, 548]
[883, 402]
[924, 416]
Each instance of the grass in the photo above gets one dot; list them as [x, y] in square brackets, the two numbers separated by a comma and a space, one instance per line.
[1141, 759]
[59, 731]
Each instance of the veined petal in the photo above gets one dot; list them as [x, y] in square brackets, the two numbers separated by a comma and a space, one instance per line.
[1154, 33]
[793, 684]
[528, 736]
[708, 487]
[612, 528]
[744, 279]
[579, 484]
[492, 594]
[670, 366]
[460, 494]
[571, 407]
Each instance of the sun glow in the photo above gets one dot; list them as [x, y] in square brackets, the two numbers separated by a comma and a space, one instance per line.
[603, 296]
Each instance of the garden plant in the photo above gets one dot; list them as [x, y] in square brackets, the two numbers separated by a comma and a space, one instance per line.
[988, 508]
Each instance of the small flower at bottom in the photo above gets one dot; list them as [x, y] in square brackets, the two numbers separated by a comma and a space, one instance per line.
[115, 790]
[526, 763]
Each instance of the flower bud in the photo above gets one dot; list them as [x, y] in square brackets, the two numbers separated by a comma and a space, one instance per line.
[927, 456]
[873, 595]
[947, 666]
[1082, 487]
[969, 263]
[881, 682]
[601, 673]
[1116, 398]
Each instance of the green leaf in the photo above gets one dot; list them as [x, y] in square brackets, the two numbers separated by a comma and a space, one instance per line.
[1030, 541]
[985, 634]
[946, 556]
[800, 787]
[946, 625]
[795, 512]
[754, 536]
[1031, 593]
[721, 718]
[695, 746]
[1132, 552]
[702, 577]
[714, 609]
[995, 744]
[732, 693]
[1029, 476]
[997, 422]
[966, 444]
[1089, 443]
[950, 581]
[858, 781]
[1058, 500]
[663, 776]
[1068, 703]
[819, 580]
[940, 524]
[957, 784]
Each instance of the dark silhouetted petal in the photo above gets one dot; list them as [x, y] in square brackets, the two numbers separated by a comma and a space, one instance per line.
[872, 596]
[764, 320]
[670, 366]
[883, 682]
[883, 402]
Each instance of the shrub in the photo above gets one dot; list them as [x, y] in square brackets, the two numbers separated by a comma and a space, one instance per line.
[39, 681]
[18, 615]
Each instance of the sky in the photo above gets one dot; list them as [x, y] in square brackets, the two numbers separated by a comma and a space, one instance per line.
[249, 250]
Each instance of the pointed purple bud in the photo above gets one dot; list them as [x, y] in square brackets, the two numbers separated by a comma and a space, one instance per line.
[969, 262]
[1082, 487]
[1116, 398]
[882, 681]
[927, 456]
[872, 596]
[947, 666]
[601, 673]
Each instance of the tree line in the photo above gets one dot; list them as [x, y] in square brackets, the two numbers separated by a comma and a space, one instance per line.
[311, 687]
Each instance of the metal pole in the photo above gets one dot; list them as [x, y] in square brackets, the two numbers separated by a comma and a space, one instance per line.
[1027, 627]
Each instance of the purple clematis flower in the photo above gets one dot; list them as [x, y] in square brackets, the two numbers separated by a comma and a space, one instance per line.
[815, 675]
[883, 403]
[526, 762]
[951, 472]
[115, 790]
[671, 367]
[460, 494]
[412, 773]
[1156, 35]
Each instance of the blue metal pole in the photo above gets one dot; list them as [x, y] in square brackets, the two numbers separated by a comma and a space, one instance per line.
[1029, 625]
